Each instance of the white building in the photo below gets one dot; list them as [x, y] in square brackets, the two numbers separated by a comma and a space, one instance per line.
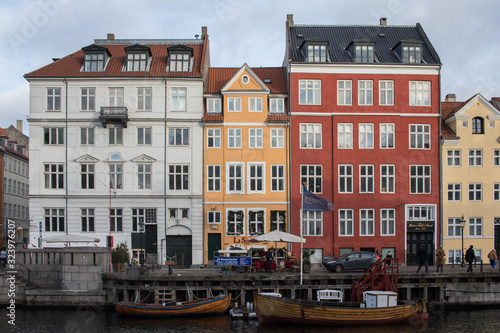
[117, 143]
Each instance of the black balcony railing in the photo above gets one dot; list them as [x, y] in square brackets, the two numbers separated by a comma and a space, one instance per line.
[114, 115]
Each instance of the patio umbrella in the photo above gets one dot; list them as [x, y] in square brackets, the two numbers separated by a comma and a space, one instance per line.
[68, 238]
[277, 236]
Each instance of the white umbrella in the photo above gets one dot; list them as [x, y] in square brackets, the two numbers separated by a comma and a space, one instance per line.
[277, 236]
[68, 238]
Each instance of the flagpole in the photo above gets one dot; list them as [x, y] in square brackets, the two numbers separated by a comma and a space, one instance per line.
[301, 236]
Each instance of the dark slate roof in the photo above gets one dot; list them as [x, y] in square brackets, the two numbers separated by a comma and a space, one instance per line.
[339, 37]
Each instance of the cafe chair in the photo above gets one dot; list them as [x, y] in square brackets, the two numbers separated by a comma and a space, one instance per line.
[282, 266]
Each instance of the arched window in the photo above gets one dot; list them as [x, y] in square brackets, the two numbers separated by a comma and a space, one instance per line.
[477, 125]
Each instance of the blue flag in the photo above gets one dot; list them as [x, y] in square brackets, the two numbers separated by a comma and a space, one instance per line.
[311, 201]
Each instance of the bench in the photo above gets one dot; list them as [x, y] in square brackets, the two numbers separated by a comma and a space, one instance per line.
[329, 295]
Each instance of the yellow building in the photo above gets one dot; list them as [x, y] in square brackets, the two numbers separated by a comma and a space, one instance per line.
[470, 176]
[245, 157]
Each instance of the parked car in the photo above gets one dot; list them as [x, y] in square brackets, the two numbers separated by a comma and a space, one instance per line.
[361, 260]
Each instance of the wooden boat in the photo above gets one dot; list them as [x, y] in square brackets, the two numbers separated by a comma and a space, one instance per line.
[272, 309]
[199, 307]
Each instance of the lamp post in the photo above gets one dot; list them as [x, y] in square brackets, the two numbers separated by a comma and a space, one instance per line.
[141, 230]
[462, 226]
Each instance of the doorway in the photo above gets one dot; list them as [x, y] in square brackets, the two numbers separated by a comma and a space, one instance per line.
[214, 244]
[414, 242]
[181, 247]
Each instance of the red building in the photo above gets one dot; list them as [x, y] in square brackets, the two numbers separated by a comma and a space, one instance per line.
[364, 104]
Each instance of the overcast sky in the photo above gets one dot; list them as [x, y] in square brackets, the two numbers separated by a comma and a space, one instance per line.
[32, 32]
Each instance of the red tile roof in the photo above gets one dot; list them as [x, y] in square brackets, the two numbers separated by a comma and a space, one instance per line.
[213, 118]
[278, 118]
[70, 66]
[219, 76]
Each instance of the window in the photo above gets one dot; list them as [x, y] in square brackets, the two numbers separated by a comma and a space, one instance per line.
[386, 93]
[366, 179]
[116, 175]
[346, 222]
[54, 176]
[256, 178]
[496, 157]
[94, 62]
[475, 226]
[420, 179]
[87, 135]
[53, 136]
[178, 177]
[277, 138]
[234, 222]
[345, 178]
[277, 105]
[420, 93]
[454, 256]
[213, 105]
[147, 215]
[234, 137]
[278, 221]
[455, 192]
[54, 219]
[454, 229]
[53, 99]
[421, 213]
[366, 222]
[116, 219]
[234, 104]
[312, 223]
[344, 136]
[136, 62]
[365, 136]
[235, 178]
[365, 92]
[87, 99]
[115, 135]
[492, 124]
[255, 139]
[144, 135]
[420, 136]
[256, 222]
[475, 192]
[179, 99]
[213, 138]
[87, 219]
[144, 176]
[316, 53]
[387, 178]
[310, 92]
[496, 191]
[388, 222]
[312, 175]
[87, 175]
[412, 54]
[453, 157]
[464, 124]
[387, 136]
[116, 96]
[179, 62]
[213, 217]
[255, 104]
[144, 99]
[364, 53]
[477, 125]
[277, 178]
[344, 92]
[213, 178]
[310, 136]
[475, 157]
[178, 136]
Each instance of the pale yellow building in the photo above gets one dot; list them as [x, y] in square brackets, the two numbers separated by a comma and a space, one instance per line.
[470, 176]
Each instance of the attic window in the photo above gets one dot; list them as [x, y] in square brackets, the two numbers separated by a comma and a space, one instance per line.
[412, 54]
[362, 50]
[180, 57]
[95, 58]
[137, 58]
[267, 80]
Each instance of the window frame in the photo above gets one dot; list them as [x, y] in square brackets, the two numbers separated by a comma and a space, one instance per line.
[365, 186]
[420, 136]
[496, 157]
[344, 93]
[388, 176]
[312, 221]
[87, 136]
[387, 222]
[214, 105]
[345, 138]
[278, 178]
[453, 224]
[144, 98]
[256, 184]
[236, 137]
[365, 92]
[145, 176]
[317, 53]
[116, 219]
[53, 99]
[178, 177]
[87, 218]
[277, 105]
[277, 138]
[366, 222]
[475, 158]
[255, 138]
[454, 192]
[234, 104]
[214, 182]
[306, 133]
[53, 175]
[364, 53]
[53, 136]
[387, 135]
[212, 217]
[136, 61]
[477, 125]
[144, 136]
[178, 61]
[416, 177]
[177, 137]
[87, 99]
[346, 222]
[233, 180]
[317, 179]
[213, 138]
[346, 180]
[115, 135]
[475, 226]
[452, 156]
[309, 92]
[94, 62]
[54, 219]
[411, 54]
[475, 191]
[420, 93]
[116, 96]
[87, 176]
[115, 175]
[386, 92]
[178, 99]
[366, 134]
[255, 104]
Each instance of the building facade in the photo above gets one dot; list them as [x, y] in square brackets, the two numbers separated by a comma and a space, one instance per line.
[117, 143]
[471, 178]
[364, 104]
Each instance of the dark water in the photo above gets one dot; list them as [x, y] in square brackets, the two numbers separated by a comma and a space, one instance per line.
[98, 320]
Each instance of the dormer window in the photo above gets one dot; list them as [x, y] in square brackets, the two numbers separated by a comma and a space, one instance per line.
[213, 105]
[276, 105]
[477, 125]
[137, 58]
[409, 51]
[180, 57]
[95, 58]
[362, 50]
[316, 50]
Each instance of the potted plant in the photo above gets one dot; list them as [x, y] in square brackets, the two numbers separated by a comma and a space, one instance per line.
[306, 259]
[119, 256]
[226, 270]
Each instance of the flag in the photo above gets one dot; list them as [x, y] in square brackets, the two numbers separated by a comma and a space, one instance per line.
[311, 201]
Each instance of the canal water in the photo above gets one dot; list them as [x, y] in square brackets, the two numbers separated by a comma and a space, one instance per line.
[99, 320]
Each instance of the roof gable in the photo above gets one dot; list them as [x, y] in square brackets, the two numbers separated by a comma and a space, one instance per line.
[237, 82]
[460, 112]
[94, 48]
[138, 48]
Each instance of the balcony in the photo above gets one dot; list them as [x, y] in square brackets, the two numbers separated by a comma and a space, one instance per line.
[114, 115]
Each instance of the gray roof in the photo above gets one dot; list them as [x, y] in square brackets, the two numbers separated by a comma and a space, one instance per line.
[339, 37]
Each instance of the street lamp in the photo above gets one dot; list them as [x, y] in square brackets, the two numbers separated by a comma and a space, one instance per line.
[141, 230]
[462, 226]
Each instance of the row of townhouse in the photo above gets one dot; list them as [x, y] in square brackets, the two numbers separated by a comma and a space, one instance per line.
[144, 141]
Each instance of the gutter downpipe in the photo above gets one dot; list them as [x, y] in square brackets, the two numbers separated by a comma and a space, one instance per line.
[165, 135]
[440, 153]
[66, 157]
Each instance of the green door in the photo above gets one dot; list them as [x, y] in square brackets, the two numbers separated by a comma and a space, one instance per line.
[214, 244]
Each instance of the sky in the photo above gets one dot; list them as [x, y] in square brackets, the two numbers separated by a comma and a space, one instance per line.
[464, 33]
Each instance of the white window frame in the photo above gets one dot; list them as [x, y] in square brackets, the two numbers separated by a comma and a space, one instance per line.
[454, 190]
[234, 104]
[346, 222]
[255, 104]
[277, 178]
[116, 96]
[183, 174]
[87, 176]
[496, 157]
[475, 192]
[256, 184]
[87, 135]
[115, 175]
[420, 136]
[346, 178]
[365, 92]
[453, 157]
[179, 99]
[496, 191]
[54, 219]
[94, 62]
[366, 136]
[314, 176]
[312, 223]
[366, 178]
[316, 53]
[53, 175]
[137, 62]
[214, 181]
[179, 137]
[277, 105]
[367, 222]
[179, 62]
[387, 136]
[144, 135]
[214, 217]
[255, 138]
[258, 221]
[420, 175]
[234, 139]
[232, 180]
[53, 99]
[387, 222]
[87, 100]
[386, 92]
[345, 136]
[412, 54]
[213, 137]
[214, 105]
[277, 138]
[475, 226]
[309, 92]
[454, 228]
[344, 92]
[87, 218]
[311, 131]
[116, 219]
[388, 178]
[144, 98]
[115, 136]
[53, 136]
[420, 93]
[475, 157]
[144, 176]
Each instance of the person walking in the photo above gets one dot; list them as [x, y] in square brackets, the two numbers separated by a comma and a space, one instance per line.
[440, 259]
[422, 259]
[493, 257]
[469, 257]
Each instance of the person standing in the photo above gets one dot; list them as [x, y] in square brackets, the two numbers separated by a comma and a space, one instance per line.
[269, 259]
[388, 262]
[3, 258]
[422, 259]
[469, 257]
[493, 257]
[440, 259]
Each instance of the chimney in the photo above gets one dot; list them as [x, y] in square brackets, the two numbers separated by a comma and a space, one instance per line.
[289, 20]
[450, 98]
[20, 126]
[111, 36]
[383, 21]
[203, 32]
